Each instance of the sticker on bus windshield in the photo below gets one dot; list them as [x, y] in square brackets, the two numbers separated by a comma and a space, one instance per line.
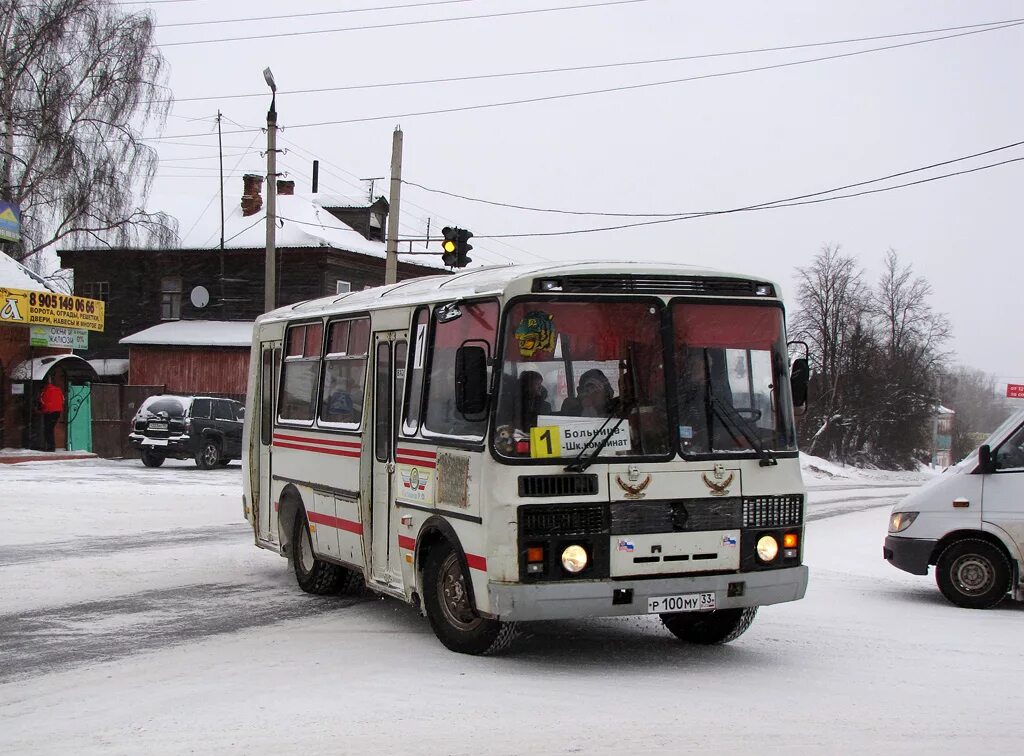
[550, 440]
[536, 333]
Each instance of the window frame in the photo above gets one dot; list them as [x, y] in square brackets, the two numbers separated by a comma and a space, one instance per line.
[286, 359]
[412, 346]
[326, 358]
[171, 297]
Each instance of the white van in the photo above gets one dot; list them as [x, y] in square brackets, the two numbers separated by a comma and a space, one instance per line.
[969, 523]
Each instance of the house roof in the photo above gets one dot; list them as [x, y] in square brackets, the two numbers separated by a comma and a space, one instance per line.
[218, 333]
[302, 221]
[14, 275]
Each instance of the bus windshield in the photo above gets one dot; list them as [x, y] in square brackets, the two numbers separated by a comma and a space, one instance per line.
[589, 378]
[576, 371]
[732, 388]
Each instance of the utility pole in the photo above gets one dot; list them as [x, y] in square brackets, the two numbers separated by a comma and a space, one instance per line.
[391, 266]
[269, 282]
[220, 156]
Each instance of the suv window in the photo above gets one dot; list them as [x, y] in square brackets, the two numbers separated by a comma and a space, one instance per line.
[222, 410]
[201, 409]
[174, 406]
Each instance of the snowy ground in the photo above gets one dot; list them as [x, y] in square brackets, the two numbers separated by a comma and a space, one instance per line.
[136, 616]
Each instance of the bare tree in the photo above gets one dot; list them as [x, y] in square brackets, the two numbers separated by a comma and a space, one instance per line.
[833, 302]
[79, 80]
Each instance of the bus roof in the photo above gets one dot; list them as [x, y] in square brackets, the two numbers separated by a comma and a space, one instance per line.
[477, 282]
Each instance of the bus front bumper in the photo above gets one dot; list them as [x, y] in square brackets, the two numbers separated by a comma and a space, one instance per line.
[544, 601]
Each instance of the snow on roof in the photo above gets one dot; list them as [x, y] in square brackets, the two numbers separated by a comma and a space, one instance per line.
[478, 282]
[110, 366]
[37, 368]
[302, 221]
[14, 275]
[220, 333]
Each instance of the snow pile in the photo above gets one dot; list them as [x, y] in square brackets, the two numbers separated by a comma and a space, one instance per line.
[815, 469]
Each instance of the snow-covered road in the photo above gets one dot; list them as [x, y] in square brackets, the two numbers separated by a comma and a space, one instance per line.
[137, 617]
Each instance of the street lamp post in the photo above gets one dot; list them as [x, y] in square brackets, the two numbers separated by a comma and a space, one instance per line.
[269, 284]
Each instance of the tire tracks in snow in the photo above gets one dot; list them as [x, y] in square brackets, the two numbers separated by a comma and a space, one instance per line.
[53, 639]
[100, 545]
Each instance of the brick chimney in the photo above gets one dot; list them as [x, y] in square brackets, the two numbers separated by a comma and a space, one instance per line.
[252, 197]
[285, 187]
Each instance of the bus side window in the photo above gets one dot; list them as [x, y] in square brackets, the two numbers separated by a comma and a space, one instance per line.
[300, 372]
[341, 397]
[476, 322]
[415, 372]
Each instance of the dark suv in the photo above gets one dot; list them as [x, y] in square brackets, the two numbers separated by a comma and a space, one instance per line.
[203, 428]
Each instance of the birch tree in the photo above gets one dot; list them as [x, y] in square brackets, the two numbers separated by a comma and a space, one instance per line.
[79, 81]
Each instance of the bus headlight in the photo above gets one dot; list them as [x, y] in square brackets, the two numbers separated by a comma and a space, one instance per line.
[767, 548]
[574, 558]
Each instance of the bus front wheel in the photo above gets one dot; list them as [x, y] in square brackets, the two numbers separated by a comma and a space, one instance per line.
[710, 628]
[450, 609]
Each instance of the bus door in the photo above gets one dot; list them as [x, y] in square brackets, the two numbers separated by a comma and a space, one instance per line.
[389, 356]
[270, 368]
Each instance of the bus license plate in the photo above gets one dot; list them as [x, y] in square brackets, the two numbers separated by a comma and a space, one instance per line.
[685, 602]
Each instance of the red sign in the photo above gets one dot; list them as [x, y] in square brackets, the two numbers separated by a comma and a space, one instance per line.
[1014, 391]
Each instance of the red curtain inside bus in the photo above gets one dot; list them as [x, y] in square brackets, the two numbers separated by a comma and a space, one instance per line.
[726, 326]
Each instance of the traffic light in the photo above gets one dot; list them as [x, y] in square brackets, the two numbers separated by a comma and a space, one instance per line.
[455, 247]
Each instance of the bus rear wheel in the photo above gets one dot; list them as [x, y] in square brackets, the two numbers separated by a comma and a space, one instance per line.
[315, 575]
[450, 609]
[710, 628]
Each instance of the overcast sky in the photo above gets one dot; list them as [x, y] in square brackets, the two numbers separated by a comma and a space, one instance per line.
[709, 144]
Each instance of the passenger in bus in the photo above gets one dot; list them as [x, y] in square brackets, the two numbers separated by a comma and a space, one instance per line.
[594, 397]
[532, 398]
[693, 410]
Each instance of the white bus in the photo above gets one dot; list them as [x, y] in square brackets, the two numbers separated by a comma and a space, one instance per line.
[534, 442]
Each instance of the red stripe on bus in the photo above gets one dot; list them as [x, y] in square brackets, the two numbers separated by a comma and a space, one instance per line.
[418, 453]
[405, 542]
[322, 441]
[476, 562]
[416, 462]
[303, 447]
[335, 522]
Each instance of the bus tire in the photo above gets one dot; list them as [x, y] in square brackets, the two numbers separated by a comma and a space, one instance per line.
[313, 575]
[450, 611]
[973, 573]
[208, 454]
[149, 459]
[710, 628]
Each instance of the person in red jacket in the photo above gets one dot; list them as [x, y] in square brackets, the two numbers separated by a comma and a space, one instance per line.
[51, 404]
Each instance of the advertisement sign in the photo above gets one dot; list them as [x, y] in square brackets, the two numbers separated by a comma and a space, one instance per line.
[50, 336]
[49, 308]
[10, 222]
[1015, 391]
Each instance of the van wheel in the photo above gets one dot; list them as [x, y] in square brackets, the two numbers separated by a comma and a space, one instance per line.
[710, 628]
[315, 575]
[450, 611]
[208, 454]
[152, 460]
[973, 574]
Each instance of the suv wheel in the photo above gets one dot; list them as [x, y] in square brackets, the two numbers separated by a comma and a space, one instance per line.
[208, 455]
[149, 459]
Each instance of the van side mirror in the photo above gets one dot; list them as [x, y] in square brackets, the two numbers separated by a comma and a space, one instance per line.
[986, 463]
[471, 380]
[799, 379]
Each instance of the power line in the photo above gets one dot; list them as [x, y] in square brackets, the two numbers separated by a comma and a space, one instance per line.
[760, 206]
[596, 66]
[309, 15]
[628, 87]
[395, 24]
[701, 212]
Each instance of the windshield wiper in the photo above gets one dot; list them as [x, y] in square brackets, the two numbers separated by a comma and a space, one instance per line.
[736, 423]
[579, 466]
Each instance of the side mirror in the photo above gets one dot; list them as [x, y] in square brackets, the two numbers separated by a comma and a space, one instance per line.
[471, 380]
[799, 378]
[986, 463]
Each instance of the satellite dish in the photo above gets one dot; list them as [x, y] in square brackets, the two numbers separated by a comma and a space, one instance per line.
[200, 297]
